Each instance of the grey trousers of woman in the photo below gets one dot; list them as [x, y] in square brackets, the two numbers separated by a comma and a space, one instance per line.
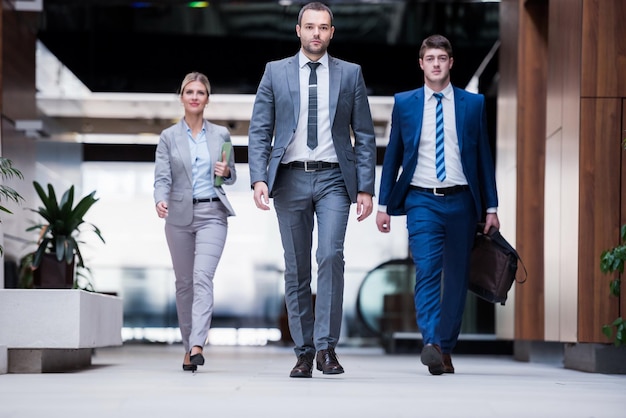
[196, 250]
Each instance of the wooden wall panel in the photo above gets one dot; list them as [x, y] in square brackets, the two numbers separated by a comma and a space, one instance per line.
[604, 48]
[600, 213]
[1, 63]
[19, 72]
[603, 211]
[17, 101]
[622, 303]
[531, 133]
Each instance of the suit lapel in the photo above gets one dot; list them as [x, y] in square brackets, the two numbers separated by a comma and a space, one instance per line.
[293, 85]
[334, 84]
[459, 110]
[180, 144]
[417, 104]
[215, 153]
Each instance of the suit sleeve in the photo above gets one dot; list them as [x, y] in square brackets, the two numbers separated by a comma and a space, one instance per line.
[393, 157]
[365, 139]
[261, 128]
[486, 169]
[162, 170]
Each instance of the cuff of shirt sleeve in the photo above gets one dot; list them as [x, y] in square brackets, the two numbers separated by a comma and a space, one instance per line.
[492, 210]
[382, 208]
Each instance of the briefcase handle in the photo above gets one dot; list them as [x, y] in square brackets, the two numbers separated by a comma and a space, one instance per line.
[496, 236]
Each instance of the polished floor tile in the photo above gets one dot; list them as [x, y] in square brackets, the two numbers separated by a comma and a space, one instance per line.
[148, 381]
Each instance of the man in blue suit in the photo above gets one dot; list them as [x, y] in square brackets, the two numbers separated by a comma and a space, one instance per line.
[313, 180]
[439, 172]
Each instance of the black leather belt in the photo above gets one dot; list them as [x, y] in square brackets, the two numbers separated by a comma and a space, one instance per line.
[442, 191]
[310, 165]
[209, 199]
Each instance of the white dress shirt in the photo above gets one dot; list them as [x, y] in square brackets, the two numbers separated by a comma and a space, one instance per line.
[425, 172]
[325, 150]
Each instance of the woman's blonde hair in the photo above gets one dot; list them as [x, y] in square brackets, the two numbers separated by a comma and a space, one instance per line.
[195, 76]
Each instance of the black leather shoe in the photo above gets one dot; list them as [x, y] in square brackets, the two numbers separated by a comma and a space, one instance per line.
[303, 367]
[431, 357]
[447, 363]
[327, 362]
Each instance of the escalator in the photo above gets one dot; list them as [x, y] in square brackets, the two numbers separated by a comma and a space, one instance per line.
[385, 309]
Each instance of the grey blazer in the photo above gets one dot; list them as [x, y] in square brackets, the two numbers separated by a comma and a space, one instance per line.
[276, 110]
[172, 171]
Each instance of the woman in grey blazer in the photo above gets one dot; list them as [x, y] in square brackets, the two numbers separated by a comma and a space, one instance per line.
[193, 160]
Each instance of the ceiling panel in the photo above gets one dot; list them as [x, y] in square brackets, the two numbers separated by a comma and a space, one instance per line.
[114, 47]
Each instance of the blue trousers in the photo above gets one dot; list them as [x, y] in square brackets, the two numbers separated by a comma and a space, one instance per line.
[441, 234]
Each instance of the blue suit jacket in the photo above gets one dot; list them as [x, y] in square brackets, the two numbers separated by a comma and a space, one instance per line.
[401, 152]
[275, 115]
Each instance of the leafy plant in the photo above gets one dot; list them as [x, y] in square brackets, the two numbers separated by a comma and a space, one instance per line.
[83, 279]
[611, 261]
[26, 279]
[59, 235]
[7, 171]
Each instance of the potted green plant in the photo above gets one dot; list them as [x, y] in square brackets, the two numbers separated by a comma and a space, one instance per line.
[26, 276]
[7, 171]
[612, 261]
[58, 250]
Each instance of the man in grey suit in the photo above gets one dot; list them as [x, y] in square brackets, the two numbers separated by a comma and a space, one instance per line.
[314, 169]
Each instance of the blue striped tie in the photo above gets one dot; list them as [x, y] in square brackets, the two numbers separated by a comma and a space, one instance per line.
[312, 119]
[440, 163]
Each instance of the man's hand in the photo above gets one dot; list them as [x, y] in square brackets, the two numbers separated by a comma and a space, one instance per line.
[364, 206]
[491, 220]
[261, 195]
[383, 221]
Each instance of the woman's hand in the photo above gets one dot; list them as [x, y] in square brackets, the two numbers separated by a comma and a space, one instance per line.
[221, 167]
[161, 209]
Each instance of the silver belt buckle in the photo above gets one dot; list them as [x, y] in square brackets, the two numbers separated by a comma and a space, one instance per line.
[435, 192]
[306, 167]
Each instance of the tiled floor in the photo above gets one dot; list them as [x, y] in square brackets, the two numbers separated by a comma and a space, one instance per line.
[147, 381]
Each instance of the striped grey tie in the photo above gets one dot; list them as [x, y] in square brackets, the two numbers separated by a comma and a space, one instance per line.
[311, 139]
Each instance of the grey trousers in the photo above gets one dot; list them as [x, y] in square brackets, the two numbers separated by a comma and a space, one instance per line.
[196, 250]
[300, 199]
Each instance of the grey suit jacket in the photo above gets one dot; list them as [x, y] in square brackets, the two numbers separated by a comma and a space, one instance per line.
[172, 171]
[275, 114]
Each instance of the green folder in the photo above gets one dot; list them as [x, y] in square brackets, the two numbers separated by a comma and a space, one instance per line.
[226, 147]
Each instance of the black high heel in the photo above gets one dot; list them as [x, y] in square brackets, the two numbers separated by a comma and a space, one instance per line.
[190, 367]
[196, 359]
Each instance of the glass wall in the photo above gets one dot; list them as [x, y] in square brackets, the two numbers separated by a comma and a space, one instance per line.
[135, 262]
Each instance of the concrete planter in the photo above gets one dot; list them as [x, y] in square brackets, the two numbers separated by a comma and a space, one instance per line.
[595, 358]
[51, 330]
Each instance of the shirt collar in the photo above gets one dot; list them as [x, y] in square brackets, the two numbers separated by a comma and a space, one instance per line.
[188, 129]
[303, 59]
[447, 92]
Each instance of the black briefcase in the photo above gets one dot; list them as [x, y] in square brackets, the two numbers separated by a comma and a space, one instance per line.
[493, 266]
